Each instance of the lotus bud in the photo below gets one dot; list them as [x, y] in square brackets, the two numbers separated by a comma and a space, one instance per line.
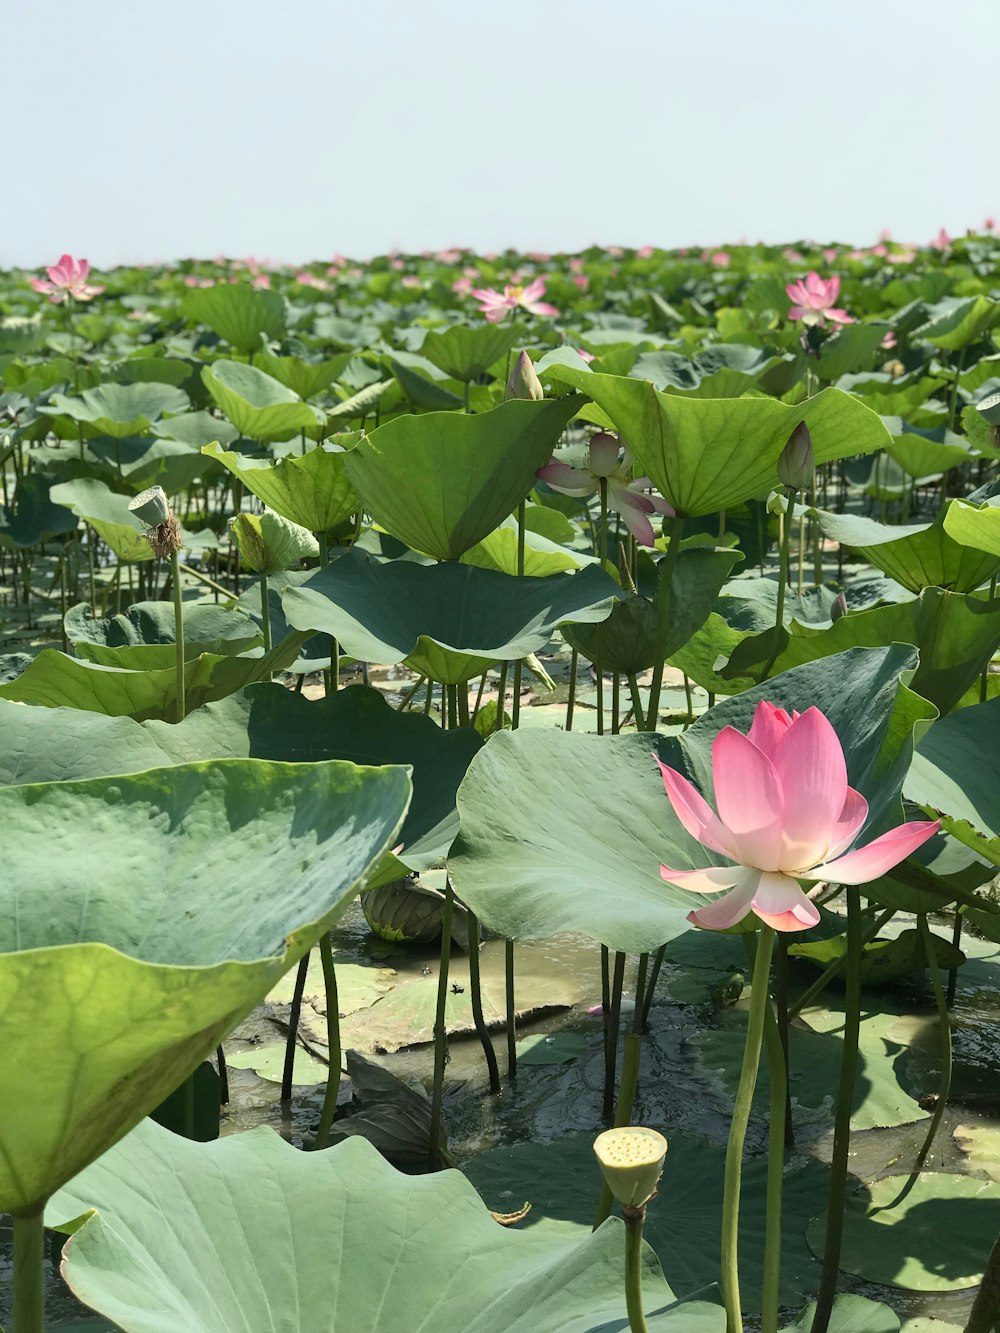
[151, 507]
[631, 1161]
[797, 464]
[524, 381]
[839, 607]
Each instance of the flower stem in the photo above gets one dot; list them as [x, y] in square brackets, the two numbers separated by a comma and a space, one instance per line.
[611, 1046]
[842, 1122]
[623, 1113]
[664, 589]
[759, 1000]
[634, 1218]
[288, 1071]
[835, 968]
[783, 557]
[332, 1042]
[29, 1272]
[441, 1027]
[476, 996]
[511, 1007]
[175, 578]
[574, 667]
[265, 613]
[944, 1020]
[777, 1140]
[515, 707]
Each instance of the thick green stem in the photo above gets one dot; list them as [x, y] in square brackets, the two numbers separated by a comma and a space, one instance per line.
[515, 707]
[441, 1027]
[175, 576]
[611, 1043]
[623, 1112]
[574, 667]
[332, 1042]
[637, 713]
[956, 939]
[783, 558]
[501, 696]
[759, 1000]
[842, 1122]
[654, 976]
[295, 1010]
[633, 1269]
[29, 1272]
[476, 996]
[777, 1138]
[944, 1020]
[664, 590]
[781, 1005]
[511, 1007]
[265, 613]
[984, 1316]
[835, 968]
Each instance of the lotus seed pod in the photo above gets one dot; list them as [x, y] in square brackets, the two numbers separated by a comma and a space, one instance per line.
[524, 381]
[631, 1161]
[151, 507]
[989, 408]
[797, 464]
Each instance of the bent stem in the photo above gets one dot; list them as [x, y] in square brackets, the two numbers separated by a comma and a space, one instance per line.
[476, 996]
[293, 1028]
[842, 1122]
[944, 1019]
[175, 580]
[759, 1001]
[440, 1026]
[664, 590]
[29, 1272]
[332, 1042]
[634, 1219]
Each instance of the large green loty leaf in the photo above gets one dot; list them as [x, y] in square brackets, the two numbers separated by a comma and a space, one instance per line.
[238, 312]
[56, 744]
[956, 323]
[956, 773]
[258, 406]
[465, 352]
[108, 514]
[311, 489]
[857, 1314]
[707, 454]
[141, 916]
[924, 555]
[388, 612]
[213, 1237]
[144, 635]
[443, 481]
[119, 410]
[565, 831]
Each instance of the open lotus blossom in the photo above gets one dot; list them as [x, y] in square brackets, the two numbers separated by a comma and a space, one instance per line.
[606, 461]
[67, 279]
[494, 305]
[785, 813]
[814, 300]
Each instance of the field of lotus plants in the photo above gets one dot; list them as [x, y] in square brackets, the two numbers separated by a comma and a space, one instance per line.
[500, 793]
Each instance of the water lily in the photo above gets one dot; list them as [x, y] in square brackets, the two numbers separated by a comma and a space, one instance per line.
[607, 461]
[785, 813]
[67, 279]
[495, 305]
[814, 299]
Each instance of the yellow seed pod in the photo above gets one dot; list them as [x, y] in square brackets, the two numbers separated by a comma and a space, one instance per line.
[631, 1161]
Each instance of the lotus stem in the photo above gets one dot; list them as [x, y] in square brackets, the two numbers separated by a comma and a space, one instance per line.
[663, 597]
[837, 966]
[781, 1005]
[462, 692]
[441, 1026]
[265, 613]
[985, 1310]
[611, 1043]
[777, 1142]
[650, 990]
[574, 667]
[637, 713]
[476, 996]
[634, 1219]
[842, 1121]
[29, 1272]
[515, 707]
[511, 1007]
[787, 519]
[956, 939]
[501, 696]
[288, 1072]
[202, 578]
[175, 576]
[759, 1002]
[223, 1070]
[623, 1112]
[332, 1042]
[408, 694]
[944, 1020]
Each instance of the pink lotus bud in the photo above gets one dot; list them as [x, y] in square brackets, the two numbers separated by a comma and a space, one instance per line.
[797, 464]
[524, 382]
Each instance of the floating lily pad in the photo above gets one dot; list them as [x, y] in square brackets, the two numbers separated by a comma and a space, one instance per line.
[551, 1048]
[268, 1060]
[981, 1144]
[206, 1236]
[937, 1238]
[851, 1314]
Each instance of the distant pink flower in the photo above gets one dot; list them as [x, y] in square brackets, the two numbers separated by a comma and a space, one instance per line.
[581, 280]
[495, 305]
[829, 254]
[462, 286]
[410, 280]
[584, 356]
[721, 259]
[942, 241]
[989, 224]
[606, 461]
[576, 265]
[792, 255]
[67, 280]
[880, 250]
[785, 813]
[307, 279]
[261, 280]
[644, 252]
[448, 256]
[814, 298]
[889, 341]
[396, 264]
[885, 234]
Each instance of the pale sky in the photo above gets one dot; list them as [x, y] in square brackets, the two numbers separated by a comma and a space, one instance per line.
[294, 129]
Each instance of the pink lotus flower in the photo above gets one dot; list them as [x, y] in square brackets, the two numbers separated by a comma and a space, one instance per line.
[814, 297]
[942, 241]
[785, 813]
[494, 305]
[721, 259]
[67, 280]
[605, 461]
[644, 252]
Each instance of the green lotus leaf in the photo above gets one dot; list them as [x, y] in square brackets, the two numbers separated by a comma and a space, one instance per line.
[956, 323]
[923, 452]
[269, 543]
[208, 1235]
[144, 635]
[719, 371]
[467, 351]
[146, 461]
[391, 612]
[36, 517]
[422, 393]
[857, 1314]
[922, 555]
[936, 1238]
[542, 556]
[974, 526]
[258, 406]
[139, 921]
[196, 429]
[305, 378]
[119, 410]
[239, 313]
[682, 1223]
[706, 454]
[443, 481]
[56, 744]
[852, 348]
[626, 641]
[564, 831]
[311, 489]
[108, 514]
[956, 773]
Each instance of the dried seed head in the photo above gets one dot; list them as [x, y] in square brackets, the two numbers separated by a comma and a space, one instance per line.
[165, 538]
[631, 1161]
